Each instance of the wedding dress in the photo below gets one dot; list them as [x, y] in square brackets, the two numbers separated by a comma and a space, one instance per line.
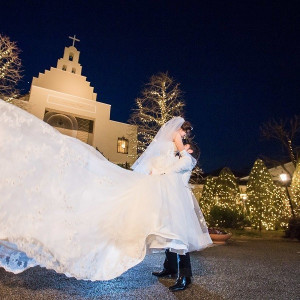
[65, 207]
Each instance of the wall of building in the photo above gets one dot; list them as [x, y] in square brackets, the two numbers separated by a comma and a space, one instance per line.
[108, 144]
[63, 98]
[65, 82]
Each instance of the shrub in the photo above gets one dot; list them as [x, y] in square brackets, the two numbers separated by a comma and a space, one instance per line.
[225, 217]
[293, 230]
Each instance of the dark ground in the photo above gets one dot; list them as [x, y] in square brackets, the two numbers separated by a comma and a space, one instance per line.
[242, 269]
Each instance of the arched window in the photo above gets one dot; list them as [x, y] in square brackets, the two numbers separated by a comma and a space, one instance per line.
[71, 56]
[73, 70]
[64, 68]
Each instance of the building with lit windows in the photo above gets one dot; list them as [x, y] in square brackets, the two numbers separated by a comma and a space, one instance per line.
[63, 98]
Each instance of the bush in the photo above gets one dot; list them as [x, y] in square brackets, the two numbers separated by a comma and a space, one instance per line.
[225, 217]
[293, 231]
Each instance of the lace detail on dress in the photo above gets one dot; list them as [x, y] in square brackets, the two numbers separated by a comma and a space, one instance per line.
[13, 119]
[71, 210]
[105, 181]
[13, 260]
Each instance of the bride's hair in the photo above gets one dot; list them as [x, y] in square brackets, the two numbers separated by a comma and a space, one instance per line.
[186, 126]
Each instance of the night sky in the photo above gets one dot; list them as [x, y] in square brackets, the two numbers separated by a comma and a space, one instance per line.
[238, 62]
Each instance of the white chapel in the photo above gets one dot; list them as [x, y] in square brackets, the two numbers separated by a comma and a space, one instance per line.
[63, 98]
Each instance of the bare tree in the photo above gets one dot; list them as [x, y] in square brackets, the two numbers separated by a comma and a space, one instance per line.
[10, 68]
[160, 101]
[286, 133]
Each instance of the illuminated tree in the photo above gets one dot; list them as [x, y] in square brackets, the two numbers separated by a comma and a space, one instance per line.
[260, 191]
[226, 191]
[295, 188]
[221, 201]
[280, 210]
[266, 203]
[160, 101]
[207, 200]
[10, 68]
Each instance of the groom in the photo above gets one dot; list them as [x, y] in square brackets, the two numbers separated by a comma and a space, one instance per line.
[175, 264]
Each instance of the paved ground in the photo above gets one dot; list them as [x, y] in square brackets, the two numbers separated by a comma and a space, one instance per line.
[243, 269]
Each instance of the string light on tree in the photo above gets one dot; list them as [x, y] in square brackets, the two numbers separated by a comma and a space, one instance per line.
[10, 68]
[280, 210]
[226, 191]
[284, 179]
[207, 200]
[266, 203]
[295, 189]
[160, 101]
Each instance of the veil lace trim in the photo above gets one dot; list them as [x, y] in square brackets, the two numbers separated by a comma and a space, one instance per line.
[159, 146]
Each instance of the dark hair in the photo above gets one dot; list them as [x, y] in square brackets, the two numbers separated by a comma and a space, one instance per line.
[186, 126]
[194, 147]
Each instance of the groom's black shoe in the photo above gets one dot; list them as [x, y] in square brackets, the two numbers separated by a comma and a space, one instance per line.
[164, 273]
[181, 284]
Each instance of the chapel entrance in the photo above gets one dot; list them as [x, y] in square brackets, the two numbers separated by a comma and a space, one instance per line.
[71, 125]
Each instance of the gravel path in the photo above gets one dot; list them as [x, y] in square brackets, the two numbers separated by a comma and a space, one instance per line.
[243, 269]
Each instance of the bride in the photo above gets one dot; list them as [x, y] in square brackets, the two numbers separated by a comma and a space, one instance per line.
[65, 207]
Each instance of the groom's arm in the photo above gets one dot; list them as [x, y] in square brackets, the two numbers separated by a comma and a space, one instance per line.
[184, 164]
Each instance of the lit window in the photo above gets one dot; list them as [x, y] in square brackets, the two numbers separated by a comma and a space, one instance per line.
[73, 70]
[122, 145]
[71, 55]
[64, 68]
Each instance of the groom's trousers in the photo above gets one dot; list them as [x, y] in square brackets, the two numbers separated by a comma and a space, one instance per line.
[176, 263]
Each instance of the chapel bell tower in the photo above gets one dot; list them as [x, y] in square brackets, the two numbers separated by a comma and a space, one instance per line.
[64, 99]
[70, 60]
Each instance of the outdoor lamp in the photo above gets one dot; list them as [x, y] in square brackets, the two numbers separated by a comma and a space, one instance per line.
[284, 178]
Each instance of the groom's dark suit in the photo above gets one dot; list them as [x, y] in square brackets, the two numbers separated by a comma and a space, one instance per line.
[174, 263]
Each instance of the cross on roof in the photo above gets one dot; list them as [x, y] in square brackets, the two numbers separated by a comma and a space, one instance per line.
[74, 39]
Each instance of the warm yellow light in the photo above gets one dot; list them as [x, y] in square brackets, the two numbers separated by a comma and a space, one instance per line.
[283, 177]
[244, 196]
[123, 145]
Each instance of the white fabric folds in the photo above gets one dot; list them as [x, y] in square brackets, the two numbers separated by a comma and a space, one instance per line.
[65, 207]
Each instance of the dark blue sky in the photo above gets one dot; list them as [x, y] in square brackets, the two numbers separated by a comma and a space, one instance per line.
[238, 62]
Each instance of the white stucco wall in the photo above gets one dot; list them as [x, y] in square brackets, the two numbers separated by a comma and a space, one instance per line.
[69, 94]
